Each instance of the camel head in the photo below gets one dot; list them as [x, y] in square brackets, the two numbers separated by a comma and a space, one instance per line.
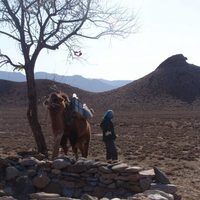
[57, 102]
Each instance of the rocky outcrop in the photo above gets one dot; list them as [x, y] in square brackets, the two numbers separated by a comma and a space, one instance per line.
[177, 78]
[173, 62]
[65, 178]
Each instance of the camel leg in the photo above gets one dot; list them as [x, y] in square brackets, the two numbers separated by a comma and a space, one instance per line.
[63, 143]
[56, 146]
[86, 147]
[75, 150]
[83, 146]
[87, 141]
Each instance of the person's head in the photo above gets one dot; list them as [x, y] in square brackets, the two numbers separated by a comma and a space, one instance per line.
[109, 114]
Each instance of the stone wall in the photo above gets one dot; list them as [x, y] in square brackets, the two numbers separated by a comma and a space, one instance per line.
[26, 178]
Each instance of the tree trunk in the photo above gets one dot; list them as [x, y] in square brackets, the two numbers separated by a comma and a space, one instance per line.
[32, 111]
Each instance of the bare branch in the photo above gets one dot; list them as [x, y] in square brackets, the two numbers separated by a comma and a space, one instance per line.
[28, 29]
[38, 24]
[82, 21]
[9, 35]
[4, 59]
[12, 14]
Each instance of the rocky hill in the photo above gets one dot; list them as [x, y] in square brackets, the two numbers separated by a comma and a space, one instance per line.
[174, 83]
[16, 92]
[177, 78]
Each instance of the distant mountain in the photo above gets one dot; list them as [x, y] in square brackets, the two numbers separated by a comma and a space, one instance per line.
[92, 85]
[12, 76]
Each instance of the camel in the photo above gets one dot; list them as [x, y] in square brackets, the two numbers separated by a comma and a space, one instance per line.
[67, 125]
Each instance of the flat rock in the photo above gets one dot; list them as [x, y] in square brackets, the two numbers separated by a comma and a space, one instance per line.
[105, 169]
[88, 197]
[168, 188]
[29, 161]
[41, 181]
[119, 167]
[7, 198]
[11, 173]
[133, 169]
[152, 195]
[42, 195]
[149, 172]
[60, 163]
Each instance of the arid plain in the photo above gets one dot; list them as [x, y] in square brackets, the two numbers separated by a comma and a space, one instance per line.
[157, 120]
[169, 141]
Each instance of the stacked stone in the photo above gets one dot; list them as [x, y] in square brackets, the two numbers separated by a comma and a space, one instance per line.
[26, 178]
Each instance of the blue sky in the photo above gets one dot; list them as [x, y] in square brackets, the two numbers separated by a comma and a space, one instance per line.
[166, 27]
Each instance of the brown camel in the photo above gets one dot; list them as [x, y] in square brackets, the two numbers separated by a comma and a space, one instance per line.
[67, 125]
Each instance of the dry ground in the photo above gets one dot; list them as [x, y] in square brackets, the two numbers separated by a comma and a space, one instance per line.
[168, 140]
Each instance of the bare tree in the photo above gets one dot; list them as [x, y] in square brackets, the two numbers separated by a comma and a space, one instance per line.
[47, 24]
